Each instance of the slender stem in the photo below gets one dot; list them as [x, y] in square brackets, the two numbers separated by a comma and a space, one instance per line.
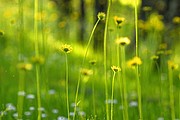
[37, 54]
[21, 29]
[123, 62]
[112, 95]
[171, 93]
[139, 93]
[38, 90]
[93, 97]
[67, 93]
[89, 41]
[137, 67]
[161, 88]
[85, 55]
[105, 56]
[20, 94]
[136, 28]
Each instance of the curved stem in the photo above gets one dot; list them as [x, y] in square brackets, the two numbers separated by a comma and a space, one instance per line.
[85, 55]
[105, 56]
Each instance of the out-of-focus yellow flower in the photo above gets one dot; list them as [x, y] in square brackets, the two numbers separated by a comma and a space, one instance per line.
[176, 20]
[172, 65]
[146, 8]
[1, 33]
[115, 68]
[40, 16]
[134, 61]
[92, 62]
[62, 24]
[24, 66]
[155, 22]
[38, 59]
[86, 73]
[123, 41]
[118, 21]
[155, 57]
[141, 24]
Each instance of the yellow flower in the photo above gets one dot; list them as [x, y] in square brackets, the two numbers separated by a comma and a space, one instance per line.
[66, 48]
[92, 62]
[123, 41]
[1, 33]
[146, 8]
[38, 59]
[118, 21]
[134, 61]
[24, 66]
[176, 20]
[155, 57]
[101, 16]
[115, 68]
[172, 65]
[86, 72]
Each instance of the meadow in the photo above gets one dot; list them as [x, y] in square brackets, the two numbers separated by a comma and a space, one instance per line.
[47, 74]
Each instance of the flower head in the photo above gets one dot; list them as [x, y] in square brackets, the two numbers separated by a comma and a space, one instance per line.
[155, 57]
[24, 66]
[176, 20]
[123, 41]
[92, 62]
[146, 8]
[38, 59]
[172, 65]
[134, 61]
[118, 21]
[66, 48]
[1, 33]
[101, 16]
[115, 68]
[86, 72]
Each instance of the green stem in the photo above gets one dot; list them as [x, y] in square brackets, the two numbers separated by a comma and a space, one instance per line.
[67, 92]
[21, 97]
[85, 55]
[105, 56]
[137, 68]
[171, 93]
[21, 29]
[136, 28]
[89, 41]
[139, 93]
[37, 54]
[112, 95]
[123, 62]
[38, 90]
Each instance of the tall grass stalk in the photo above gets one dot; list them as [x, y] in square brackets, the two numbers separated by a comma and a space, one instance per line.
[105, 56]
[112, 94]
[125, 101]
[20, 101]
[137, 67]
[21, 93]
[161, 89]
[67, 86]
[36, 7]
[84, 58]
[171, 94]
